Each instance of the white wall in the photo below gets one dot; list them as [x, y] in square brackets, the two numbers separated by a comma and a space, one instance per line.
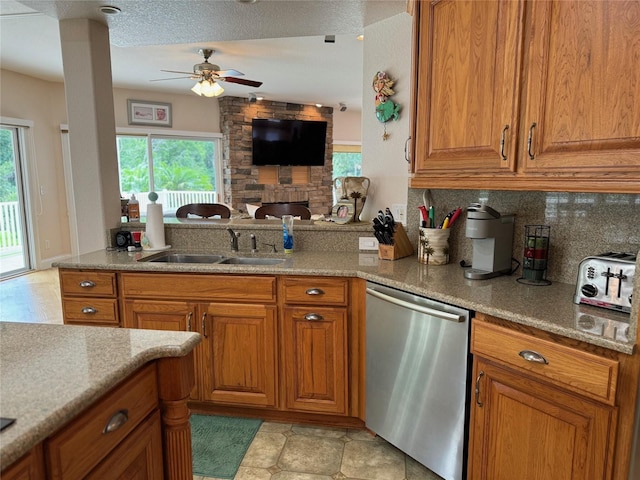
[347, 127]
[387, 48]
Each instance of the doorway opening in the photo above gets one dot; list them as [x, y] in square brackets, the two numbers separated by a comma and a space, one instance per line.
[15, 252]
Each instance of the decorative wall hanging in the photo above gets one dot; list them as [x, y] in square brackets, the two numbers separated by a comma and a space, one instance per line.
[141, 112]
[385, 108]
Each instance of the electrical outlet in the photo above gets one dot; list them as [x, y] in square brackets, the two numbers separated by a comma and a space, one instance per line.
[47, 245]
[367, 243]
[399, 212]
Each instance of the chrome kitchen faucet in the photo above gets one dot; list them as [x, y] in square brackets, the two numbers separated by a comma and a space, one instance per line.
[234, 239]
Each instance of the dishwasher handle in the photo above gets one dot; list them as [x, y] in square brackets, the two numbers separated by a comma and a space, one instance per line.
[453, 317]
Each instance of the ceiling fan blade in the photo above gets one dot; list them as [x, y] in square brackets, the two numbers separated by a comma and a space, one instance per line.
[241, 81]
[175, 71]
[226, 73]
[163, 79]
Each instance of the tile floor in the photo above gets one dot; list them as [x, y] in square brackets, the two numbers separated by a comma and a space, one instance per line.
[279, 451]
[282, 451]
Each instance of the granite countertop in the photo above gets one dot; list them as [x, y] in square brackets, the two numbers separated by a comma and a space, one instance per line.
[50, 373]
[549, 308]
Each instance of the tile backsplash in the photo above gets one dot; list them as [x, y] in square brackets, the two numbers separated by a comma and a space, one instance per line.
[582, 224]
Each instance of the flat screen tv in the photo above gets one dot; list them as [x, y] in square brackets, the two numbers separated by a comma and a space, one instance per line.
[288, 142]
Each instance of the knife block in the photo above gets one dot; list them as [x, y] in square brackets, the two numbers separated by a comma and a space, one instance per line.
[401, 245]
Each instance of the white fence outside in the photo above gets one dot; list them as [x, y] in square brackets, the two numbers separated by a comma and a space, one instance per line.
[10, 231]
[171, 200]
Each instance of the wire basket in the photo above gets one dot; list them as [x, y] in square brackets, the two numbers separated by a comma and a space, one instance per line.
[536, 255]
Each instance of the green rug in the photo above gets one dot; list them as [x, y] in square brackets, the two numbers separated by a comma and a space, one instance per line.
[219, 443]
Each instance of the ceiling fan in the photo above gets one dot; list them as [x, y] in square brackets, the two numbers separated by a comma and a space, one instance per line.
[208, 74]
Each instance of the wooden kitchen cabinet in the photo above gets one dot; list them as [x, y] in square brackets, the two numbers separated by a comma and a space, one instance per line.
[261, 354]
[236, 361]
[89, 298]
[554, 420]
[239, 363]
[83, 449]
[314, 339]
[527, 96]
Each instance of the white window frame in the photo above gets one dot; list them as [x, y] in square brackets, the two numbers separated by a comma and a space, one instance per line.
[151, 133]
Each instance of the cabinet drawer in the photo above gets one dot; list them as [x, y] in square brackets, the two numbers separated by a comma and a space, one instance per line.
[200, 287]
[316, 290]
[572, 369]
[82, 444]
[91, 310]
[94, 284]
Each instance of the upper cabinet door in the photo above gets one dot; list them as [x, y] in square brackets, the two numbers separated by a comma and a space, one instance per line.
[467, 68]
[581, 110]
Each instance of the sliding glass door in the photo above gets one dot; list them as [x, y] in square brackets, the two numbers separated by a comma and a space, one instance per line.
[14, 247]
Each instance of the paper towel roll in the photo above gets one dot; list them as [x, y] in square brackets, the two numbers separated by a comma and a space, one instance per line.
[155, 226]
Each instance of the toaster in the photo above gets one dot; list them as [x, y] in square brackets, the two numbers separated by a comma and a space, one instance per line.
[606, 281]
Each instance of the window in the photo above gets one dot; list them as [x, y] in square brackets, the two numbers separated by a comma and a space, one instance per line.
[347, 162]
[181, 169]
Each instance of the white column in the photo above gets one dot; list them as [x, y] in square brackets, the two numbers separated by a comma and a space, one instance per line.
[86, 58]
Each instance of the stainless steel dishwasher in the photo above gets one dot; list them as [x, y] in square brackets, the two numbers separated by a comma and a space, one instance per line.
[417, 359]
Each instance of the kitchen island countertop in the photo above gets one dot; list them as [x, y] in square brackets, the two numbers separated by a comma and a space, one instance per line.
[549, 308]
[51, 373]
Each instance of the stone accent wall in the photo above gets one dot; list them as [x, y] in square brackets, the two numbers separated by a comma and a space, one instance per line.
[241, 177]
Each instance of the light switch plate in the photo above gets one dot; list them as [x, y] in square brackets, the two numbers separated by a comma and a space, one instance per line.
[368, 243]
[399, 211]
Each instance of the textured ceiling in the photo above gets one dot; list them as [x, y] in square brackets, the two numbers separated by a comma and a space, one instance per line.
[278, 42]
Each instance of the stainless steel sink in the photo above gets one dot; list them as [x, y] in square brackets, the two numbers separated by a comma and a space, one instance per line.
[204, 258]
[183, 258]
[251, 261]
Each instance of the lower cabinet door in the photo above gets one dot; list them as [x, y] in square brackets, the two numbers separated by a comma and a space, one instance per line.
[171, 316]
[154, 315]
[528, 430]
[239, 354]
[315, 359]
[138, 457]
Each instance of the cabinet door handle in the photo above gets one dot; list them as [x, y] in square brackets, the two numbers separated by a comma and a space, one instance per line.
[531, 356]
[189, 317]
[480, 375]
[530, 141]
[315, 291]
[313, 317]
[117, 420]
[204, 325]
[406, 150]
[89, 310]
[87, 284]
[502, 140]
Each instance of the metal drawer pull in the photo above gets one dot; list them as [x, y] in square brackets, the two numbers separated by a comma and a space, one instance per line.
[315, 291]
[189, 321]
[313, 317]
[480, 375]
[504, 131]
[117, 420]
[531, 356]
[87, 284]
[89, 310]
[204, 325]
[530, 141]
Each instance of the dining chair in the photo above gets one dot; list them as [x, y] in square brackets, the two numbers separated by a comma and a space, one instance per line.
[279, 209]
[203, 210]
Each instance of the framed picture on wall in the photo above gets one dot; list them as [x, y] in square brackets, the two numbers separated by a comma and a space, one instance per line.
[156, 114]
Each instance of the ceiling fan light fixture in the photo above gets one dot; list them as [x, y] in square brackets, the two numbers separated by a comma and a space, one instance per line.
[197, 89]
[208, 88]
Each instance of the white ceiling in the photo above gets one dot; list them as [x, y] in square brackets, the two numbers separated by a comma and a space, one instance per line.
[278, 42]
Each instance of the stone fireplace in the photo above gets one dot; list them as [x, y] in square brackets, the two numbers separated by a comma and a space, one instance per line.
[243, 182]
